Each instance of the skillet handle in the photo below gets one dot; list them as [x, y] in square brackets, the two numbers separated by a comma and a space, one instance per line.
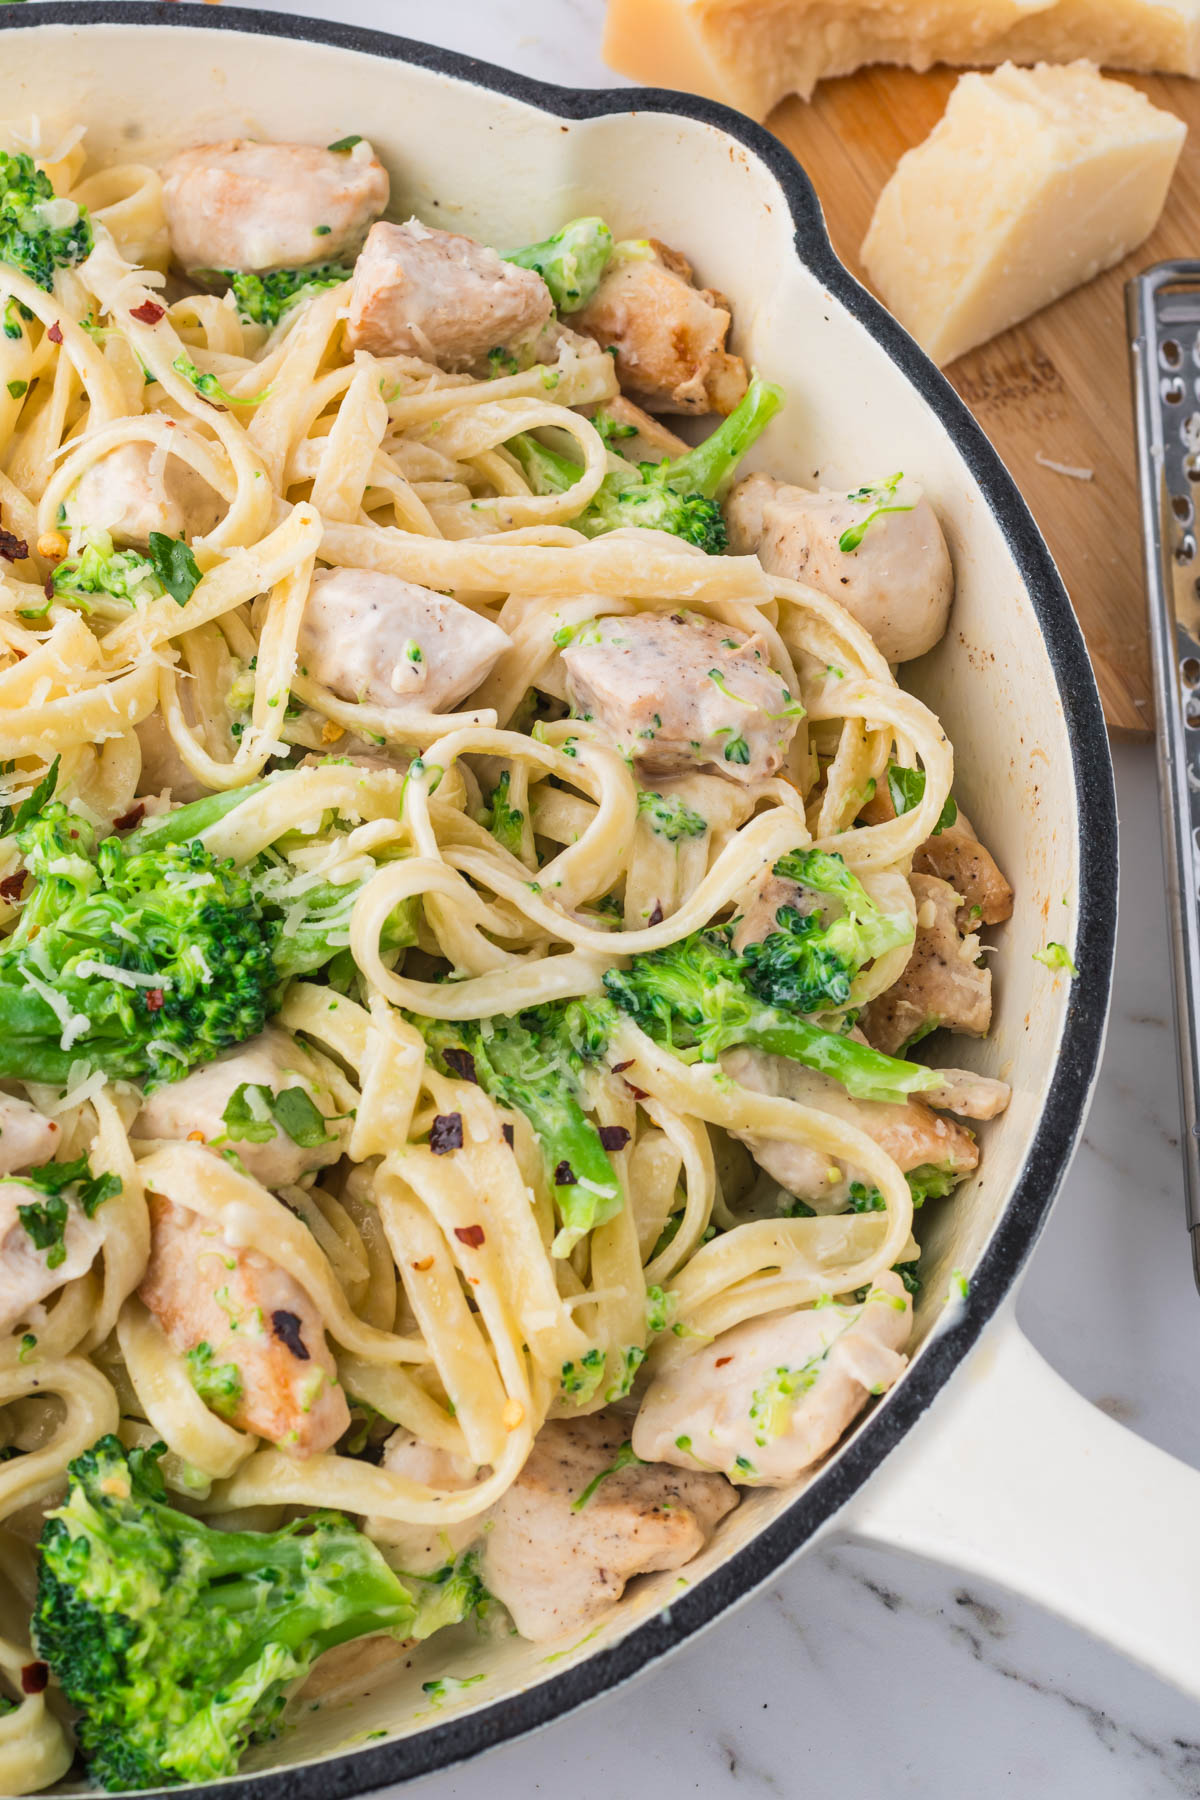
[1013, 1476]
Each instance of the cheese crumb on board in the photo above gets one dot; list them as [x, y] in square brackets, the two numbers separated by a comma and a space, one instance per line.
[1033, 182]
[753, 53]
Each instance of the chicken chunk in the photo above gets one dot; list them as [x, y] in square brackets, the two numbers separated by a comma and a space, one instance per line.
[269, 1065]
[27, 1137]
[558, 1569]
[242, 205]
[669, 335]
[376, 638]
[895, 578]
[969, 1095]
[252, 1316]
[27, 1276]
[760, 911]
[423, 1548]
[956, 855]
[679, 693]
[440, 296]
[163, 769]
[129, 494]
[768, 1399]
[912, 1135]
[942, 984]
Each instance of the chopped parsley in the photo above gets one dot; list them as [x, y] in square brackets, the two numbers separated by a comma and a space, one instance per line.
[253, 1112]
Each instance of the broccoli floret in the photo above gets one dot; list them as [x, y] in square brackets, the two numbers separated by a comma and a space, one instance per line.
[219, 1385]
[670, 818]
[264, 299]
[695, 998]
[931, 1182]
[178, 1642]
[39, 233]
[571, 263]
[148, 956]
[808, 965]
[906, 789]
[102, 573]
[533, 1065]
[505, 821]
[678, 495]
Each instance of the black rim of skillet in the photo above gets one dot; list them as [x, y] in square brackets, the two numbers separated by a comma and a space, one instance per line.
[453, 1740]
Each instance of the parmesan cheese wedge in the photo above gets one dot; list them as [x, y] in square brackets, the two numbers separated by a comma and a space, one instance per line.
[1120, 34]
[753, 53]
[1034, 181]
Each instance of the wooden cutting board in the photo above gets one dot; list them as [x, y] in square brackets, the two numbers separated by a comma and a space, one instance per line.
[1056, 387]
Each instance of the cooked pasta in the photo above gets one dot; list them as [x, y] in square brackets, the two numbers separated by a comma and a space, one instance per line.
[465, 921]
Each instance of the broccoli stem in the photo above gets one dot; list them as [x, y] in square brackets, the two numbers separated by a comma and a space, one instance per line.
[865, 1074]
[571, 263]
[306, 947]
[190, 821]
[711, 465]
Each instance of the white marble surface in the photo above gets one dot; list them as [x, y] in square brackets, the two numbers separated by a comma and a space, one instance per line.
[860, 1672]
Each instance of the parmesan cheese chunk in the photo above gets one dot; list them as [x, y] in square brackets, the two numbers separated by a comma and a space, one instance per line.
[1034, 181]
[753, 53]
[1161, 35]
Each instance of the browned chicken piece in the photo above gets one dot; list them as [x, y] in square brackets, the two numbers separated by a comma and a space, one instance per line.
[957, 856]
[912, 1135]
[271, 1064]
[896, 580]
[442, 297]
[943, 983]
[27, 1276]
[163, 769]
[669, 335]
[558, 1566]
[27, 1137]
[204, 1290]
[677, 693]
[129, 494]
[423, 1548]
[969, 1095]
[760, 913]
[376, 638]
[645, 439]
[769, 1398]
[243, 205]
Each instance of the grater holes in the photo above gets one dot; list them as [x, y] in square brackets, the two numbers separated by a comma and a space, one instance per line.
[1173, 390]
[1170, 355]
[1185, 549]
[1181, 506]
[1189, 670]
[1191, 712]
[1189, 433]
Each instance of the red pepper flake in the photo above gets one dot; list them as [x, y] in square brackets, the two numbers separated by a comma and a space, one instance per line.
[619, 1068]
[509, 1135]
[48, 587]
[35, 1677]
[638, 1093]
[446, 1133]
[286, 1326]
[564, 1175]
[134, 816]
[656, 917]
[154, 999]
[13, 548]
[10, 887]
[461, 1063]
[614, 1137]
[471, 1235]
[148, 313]
[55, 333]
[721, 1361]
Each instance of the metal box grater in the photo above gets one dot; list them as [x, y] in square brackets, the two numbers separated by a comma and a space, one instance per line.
[1164, 332]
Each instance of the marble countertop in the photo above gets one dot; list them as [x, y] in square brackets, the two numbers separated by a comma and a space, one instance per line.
[862, 1672]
